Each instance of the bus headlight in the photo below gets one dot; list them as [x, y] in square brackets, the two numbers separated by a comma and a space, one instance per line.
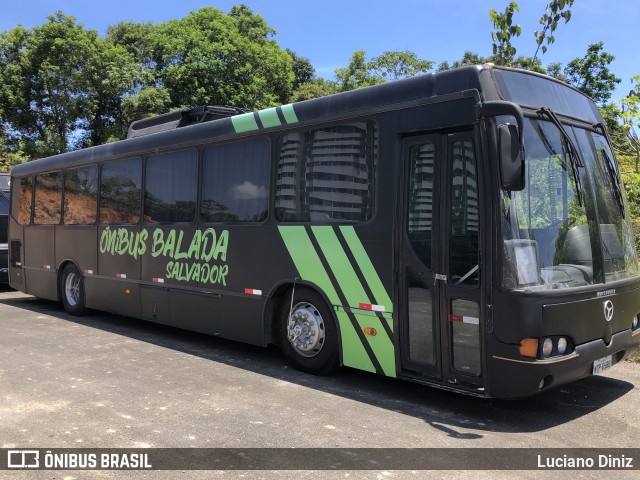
[547, 347]
[634, 324]
[562, 345]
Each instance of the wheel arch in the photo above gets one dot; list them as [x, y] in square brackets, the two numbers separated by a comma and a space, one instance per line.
[61, 268]
[275, 302]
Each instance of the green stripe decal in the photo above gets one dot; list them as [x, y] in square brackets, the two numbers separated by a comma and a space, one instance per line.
[289, 114]
[269, 118]
[310, 268]
[354, 292]
[368, 270]
[244, 123]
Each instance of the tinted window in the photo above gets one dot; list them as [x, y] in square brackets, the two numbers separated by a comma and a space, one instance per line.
[327, 174]
[120, 192]
[81, 196]
[171, 187]
[535, 91]
[4, 182]
[420, 210]
[4, 205]
[21, 206]
[4, 218]
[48, 198]
[463, 238]
[235, 182]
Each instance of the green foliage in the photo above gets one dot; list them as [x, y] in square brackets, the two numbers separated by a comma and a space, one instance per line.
[303, 70]
[555, 11]
[468, 58]
[63, 87]
[391, 65]
[58, 82]
[136, 38]
[591, 75]
[209, 58]
[554, 70]
[394, 65]
[356, 74]
[503, 51]
[318, 87]
[10, 159]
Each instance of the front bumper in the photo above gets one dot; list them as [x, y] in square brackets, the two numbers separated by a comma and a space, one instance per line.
[511, 377]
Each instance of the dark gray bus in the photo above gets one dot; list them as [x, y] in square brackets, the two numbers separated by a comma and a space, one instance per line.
[465, 229]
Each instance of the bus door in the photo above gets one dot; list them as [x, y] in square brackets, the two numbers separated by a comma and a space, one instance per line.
[439, 272]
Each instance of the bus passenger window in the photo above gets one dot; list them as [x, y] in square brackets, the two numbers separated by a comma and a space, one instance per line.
[48, 203]
[327, 174]
[22, 200]
[235, 182]
[81, 195]
[120, 192]
[171, 187]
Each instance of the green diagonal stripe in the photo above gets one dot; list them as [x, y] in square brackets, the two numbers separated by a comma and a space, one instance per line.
[269, 118]
[310, 268]
[368, 270]
[244, 123]
[354, 292]
[289, 114]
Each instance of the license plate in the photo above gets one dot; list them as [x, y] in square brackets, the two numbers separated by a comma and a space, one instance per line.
[601, 365]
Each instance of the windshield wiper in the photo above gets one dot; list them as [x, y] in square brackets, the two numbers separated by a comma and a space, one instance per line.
[574, 156]
[615, 180]
[611, 169]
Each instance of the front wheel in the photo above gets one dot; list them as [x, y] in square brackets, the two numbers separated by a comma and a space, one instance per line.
[308, 333]
[72, 290]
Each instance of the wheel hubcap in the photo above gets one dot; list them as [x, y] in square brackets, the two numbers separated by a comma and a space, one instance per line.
[72, 289]
[306, 330]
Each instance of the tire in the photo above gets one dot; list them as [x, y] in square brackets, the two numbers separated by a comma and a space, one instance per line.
[310, 340]
[72, 290]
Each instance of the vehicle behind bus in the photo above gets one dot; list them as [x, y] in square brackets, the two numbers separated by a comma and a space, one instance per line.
[4, 227]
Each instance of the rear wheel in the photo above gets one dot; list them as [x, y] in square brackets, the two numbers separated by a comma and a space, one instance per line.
[72, 290]
[308, 333]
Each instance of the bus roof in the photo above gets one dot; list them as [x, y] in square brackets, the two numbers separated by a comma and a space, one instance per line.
[462, 81]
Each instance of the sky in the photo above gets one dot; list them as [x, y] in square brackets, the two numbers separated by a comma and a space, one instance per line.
[327, 32]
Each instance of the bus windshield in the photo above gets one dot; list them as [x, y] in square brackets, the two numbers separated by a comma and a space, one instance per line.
[569, 227]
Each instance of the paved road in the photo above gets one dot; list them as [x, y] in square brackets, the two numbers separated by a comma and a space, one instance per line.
[110, 381]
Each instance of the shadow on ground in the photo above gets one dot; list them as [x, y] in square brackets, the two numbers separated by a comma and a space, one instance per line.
[445, 411]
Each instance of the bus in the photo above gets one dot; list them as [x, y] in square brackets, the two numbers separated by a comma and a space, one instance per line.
[464, 229]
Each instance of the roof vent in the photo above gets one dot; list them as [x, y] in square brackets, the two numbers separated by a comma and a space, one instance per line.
[180, 118]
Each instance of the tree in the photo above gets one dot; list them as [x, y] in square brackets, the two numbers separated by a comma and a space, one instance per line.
[554, 12]
[394, 65]
[136, 38]
[318, 87]
[303, 70]
[591, 74]
[468, 58]
[60, 85]
[631, 122]
[554, 70]
[503, 51]
[356, 74]
[212, 58]
[391, 65]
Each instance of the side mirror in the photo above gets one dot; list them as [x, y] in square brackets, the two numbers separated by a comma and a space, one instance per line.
[510, 143]
[511, 158]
